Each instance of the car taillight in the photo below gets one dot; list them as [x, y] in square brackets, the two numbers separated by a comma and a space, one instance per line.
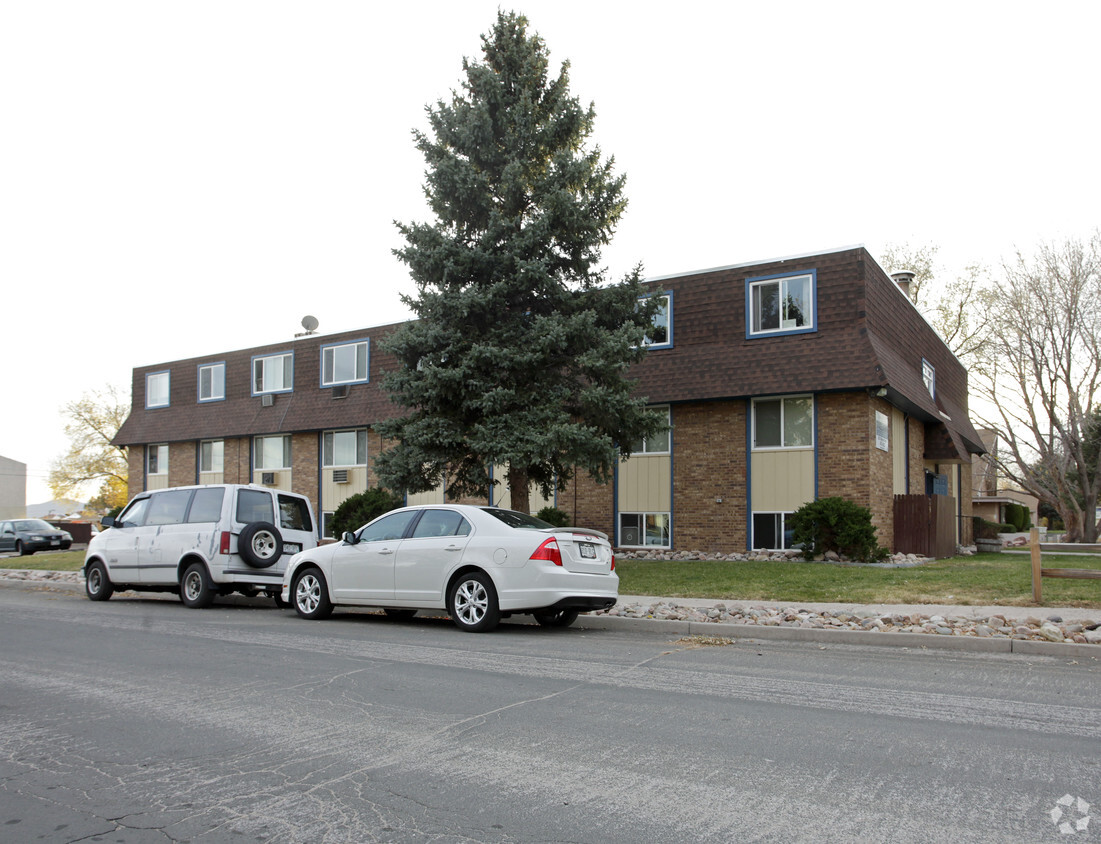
[613, 562]
[548, 551]
[223, 548]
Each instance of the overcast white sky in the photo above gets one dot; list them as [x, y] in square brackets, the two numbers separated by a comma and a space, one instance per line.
[185, 178]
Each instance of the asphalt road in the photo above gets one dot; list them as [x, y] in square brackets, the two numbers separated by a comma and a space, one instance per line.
[141, 721]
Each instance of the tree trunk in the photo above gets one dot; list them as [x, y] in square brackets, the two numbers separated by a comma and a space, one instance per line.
[518, 489]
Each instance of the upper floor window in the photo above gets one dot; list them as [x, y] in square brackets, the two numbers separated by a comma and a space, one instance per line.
[929, 377]
[273, 373]
[660, 334]
[344, 364]
[212, 382]
[783, 423]
[780, 304]
[344, 448]
[156, 389]
[656, 444]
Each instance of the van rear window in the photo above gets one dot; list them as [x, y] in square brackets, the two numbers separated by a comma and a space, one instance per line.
[206, 506]
[294, 514]
[254, 506]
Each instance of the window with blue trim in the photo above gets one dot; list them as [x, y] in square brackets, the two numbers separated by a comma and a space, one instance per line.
[157, 389]
[273, 373]
[660, 334]
[345, 363]
[780, 304]
[212, 382]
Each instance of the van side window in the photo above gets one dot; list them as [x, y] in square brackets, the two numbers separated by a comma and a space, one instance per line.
[254, 506]
[206, 506]
[293, 513]
[168, 508]
[134, 515]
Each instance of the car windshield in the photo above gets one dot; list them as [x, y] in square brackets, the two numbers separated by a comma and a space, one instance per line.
[518, 520]
[33, 524]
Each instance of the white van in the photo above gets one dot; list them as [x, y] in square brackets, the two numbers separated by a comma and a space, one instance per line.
[201, 540]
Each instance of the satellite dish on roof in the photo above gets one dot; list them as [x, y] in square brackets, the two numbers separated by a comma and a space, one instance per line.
[310, 324]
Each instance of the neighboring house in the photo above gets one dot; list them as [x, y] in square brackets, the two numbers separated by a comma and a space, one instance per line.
[13, 489]
[988, 500]
[784, 381]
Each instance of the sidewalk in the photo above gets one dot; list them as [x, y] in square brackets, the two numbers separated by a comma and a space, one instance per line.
[1049, 631]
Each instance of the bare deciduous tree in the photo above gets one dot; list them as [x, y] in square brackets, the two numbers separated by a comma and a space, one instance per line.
[1038, 374]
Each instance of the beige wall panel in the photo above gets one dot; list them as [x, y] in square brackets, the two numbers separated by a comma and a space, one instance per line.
[433, 496]
[333, 494]
[645, 484]
[898, 451]
[211, 477]
[782, 480]
[156, 481]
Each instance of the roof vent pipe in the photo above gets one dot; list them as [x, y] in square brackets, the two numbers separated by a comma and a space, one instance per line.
[904, 279]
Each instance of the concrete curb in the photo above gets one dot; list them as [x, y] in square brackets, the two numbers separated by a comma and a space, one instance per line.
[760, 632]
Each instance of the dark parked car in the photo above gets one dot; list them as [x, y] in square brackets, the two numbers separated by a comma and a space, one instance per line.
[25, 536]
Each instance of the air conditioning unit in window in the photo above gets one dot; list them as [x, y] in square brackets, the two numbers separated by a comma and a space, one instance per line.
[340, 391]
[267, 400]
[629, 536]
[340, 476]
[267, 478]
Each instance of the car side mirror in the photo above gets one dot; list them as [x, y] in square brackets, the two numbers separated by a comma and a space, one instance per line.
[350, 538]
[108, 521]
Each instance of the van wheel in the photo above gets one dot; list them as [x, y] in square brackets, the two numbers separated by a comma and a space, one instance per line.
[97, 584]
[260, 544]
[196, 590]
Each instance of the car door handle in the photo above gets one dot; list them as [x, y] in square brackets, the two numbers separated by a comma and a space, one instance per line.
[384, 551]
[454, 548]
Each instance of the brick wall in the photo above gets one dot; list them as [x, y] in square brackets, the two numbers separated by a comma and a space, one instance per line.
[881, 477]
[844, 421]
[135, 470]
[709, 462]
[917, 456]
[182, 464]
[235, 457]
[305, 467]
[589, 504]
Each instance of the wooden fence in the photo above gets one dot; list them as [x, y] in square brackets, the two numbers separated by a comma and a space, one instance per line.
[1039, 572]
[925, 525]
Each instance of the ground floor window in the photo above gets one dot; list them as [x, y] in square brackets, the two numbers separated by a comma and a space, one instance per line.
[327, 524]
[272, 452]
[770, 530]
[644, 530]
[157, 457]
[212, 456]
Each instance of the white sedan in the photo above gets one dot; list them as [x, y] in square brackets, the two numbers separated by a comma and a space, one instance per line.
[480, 564]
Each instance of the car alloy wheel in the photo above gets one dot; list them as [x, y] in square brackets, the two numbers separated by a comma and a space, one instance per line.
[474, 603]
[309, 595]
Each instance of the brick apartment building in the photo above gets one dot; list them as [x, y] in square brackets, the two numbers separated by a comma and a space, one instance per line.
[785, 381]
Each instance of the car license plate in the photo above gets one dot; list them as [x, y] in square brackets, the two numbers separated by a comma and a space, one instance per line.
[55, 541]
[588, 550]
[291, 547]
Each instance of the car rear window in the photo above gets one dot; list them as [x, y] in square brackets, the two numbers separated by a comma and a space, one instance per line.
[294, 514]
[523, 521]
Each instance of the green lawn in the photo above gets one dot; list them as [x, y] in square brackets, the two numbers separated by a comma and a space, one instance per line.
[1000, 579]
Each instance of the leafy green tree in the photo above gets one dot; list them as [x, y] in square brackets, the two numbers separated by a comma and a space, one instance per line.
[357, 510]
[91, 422]
[519, 357]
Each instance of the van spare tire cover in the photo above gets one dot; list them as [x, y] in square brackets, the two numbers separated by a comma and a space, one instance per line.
[260, 544]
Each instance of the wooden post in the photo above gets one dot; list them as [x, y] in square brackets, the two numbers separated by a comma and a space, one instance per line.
[1034, 546]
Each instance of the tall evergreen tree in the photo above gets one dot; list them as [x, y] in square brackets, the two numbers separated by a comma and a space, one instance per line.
[519, 357]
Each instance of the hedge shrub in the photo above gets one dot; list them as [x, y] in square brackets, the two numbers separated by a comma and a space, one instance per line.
[838, 525]
[553, 516]
[356, 510]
